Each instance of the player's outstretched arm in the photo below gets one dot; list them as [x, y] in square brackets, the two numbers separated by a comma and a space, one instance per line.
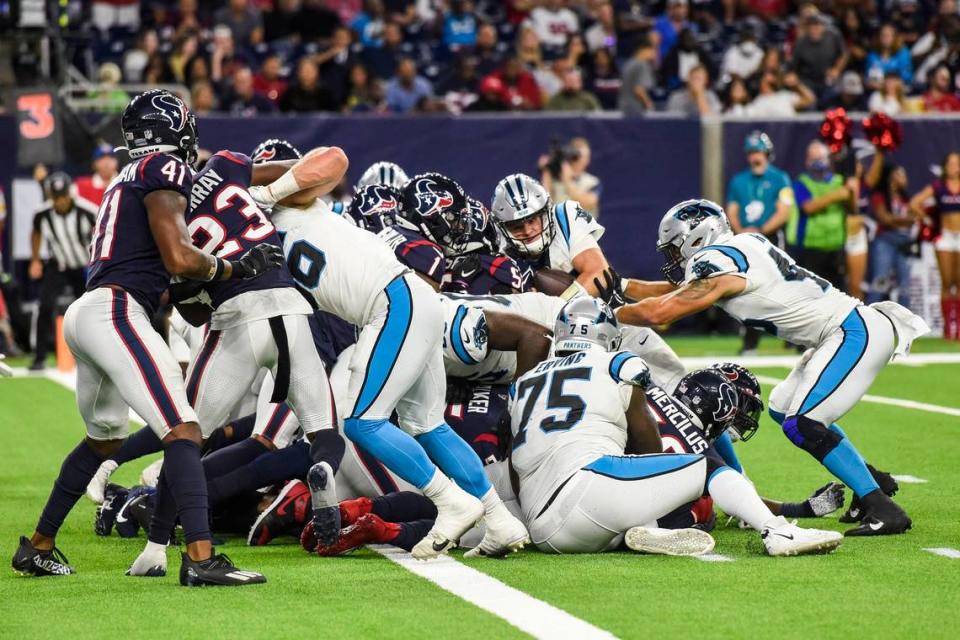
[510, 332]
[589, 265]
[299, 183]
[691, 298]
[643, 436]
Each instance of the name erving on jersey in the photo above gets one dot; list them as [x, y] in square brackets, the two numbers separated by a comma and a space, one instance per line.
[678, 418]
[561, 362]
[203, 186]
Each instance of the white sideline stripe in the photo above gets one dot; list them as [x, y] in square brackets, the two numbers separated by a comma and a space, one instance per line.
[907, 479]
[895, 402]
[539, 619]
[788, 361]
[714, 557]
[946, 552]
[68, 380]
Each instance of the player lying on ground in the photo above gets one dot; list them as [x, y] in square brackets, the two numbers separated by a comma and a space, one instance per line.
[760, 285]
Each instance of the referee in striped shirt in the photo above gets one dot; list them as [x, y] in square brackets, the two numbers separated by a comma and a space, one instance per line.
[64, 224]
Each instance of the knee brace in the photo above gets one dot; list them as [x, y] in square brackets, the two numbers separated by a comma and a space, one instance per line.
[811, 436]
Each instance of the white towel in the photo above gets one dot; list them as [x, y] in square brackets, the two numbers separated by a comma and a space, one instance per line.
[909, 326]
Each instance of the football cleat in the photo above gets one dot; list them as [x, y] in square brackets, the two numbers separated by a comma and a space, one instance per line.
[151, 563]
[307, 540]
[351, 510]
[782, 538]
[286, 513]
[29, 561]
[457, 513]
[136, 512]
[888, 485]
[368, 528]
[114, 497]
[326, 508]
[504, 534]
[97, 486]
[150, 475]
[883, 517]
[216, 571]
[669, 542]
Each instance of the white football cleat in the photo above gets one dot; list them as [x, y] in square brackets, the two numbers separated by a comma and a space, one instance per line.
[782, 538]
[98, 483]
[504, 534]
[669, 542]
[151, 563]
[457, 513]
[150, 475]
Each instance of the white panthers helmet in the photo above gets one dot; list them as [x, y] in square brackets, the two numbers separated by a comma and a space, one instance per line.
[517, 198]
[687, 228]
[586, 323]
[387, 173]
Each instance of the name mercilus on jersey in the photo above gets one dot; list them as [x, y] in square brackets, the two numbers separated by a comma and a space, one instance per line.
[203, 185]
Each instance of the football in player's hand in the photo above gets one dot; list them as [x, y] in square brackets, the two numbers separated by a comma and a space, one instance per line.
[552, 282]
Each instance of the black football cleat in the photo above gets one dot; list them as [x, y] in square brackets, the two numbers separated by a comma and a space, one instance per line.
[114, 496]
[29, 561]
[855, 512]
[288, 513]
[216, 571]
[883, 517]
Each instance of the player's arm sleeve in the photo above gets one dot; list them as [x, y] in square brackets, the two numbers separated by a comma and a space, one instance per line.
[239, 159]
[164, 172]
[577, 227]
[465, 334]
[629, 368]
[716, 261]
[724, 446]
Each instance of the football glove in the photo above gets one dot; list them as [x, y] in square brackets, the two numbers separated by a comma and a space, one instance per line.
[611, 289]
[261, 258]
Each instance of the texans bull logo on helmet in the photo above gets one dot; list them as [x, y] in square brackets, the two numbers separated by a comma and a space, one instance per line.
[727, 403]
[430, 197]
[172, 109]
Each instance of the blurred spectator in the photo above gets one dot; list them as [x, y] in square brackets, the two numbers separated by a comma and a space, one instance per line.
[157, 70]
[488, 52]
[285, 22]
[269, 81]
[574, 182]
[135, 59]
[744, 57]
[602, 34]
[550, 79]
[634, 26]
[382, 61]
[554, 23]
[346, 10]
[857, 33]
[407, 89]
[105, 169]
[851, 94]
[817, 228]
[603, 79]
[186, 18]
[638, 80]
[244, 20]
[888, 55]
[109, 96]
[683, 57]
[736, 97]
[696, 99]
[459, 89]
[572, 96]
[520, 88]
[223, 55]
[401, 12]
[242, 99]
[336, 63]
[529, 51]
[365, 93]
[460, 25]
[776, 100]
[940, 94]
[184, 49]
[307, 93]
[369, 23]
[105, 14]
[937, 44]
[203, 99]
[491, 96]
[908, 18]
[198, 70]
[317, 22]
[818, 55]
[669, 25]
[889, 99]
[890, 251]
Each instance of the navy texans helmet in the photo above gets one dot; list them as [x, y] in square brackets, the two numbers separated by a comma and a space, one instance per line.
[158, 121]
[712, 398]
[751, 399]
[476, 232]
[434, 205]
[274, 149]
[375, 207]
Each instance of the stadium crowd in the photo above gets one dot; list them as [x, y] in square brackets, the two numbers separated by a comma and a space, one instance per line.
[758, 58]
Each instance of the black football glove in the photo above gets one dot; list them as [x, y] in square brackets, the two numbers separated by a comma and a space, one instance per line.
[610, 291]
[180, 291]
[261, 258]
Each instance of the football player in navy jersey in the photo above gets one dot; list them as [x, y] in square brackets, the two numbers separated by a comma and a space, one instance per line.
[140, 240]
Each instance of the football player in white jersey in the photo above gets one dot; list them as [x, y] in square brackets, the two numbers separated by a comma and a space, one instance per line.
[573, 418]
[760, 285]
[397, 364]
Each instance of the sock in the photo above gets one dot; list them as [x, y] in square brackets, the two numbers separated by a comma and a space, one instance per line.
[268, 468]
[456, 459]
[397, 450]
[777, 416]
[243, 427]
[410, 533]
[240, 429]
[797, 510]
[164, 514]
[142, 443]
[737, 497]
[724, 446]
[75, 474]
[328, 446]
[681, 518]
[188, 486]
[229, 458]
[846, 463]
[837, 430]
[403, 506]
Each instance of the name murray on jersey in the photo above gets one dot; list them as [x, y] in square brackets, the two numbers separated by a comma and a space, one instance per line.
[680, 420]
[203, 186]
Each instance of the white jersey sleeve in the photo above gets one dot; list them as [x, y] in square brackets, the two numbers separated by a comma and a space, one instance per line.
[629, 368]
[716, 260]
[575, 232]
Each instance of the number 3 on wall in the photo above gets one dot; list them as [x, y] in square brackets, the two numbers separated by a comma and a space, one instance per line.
[39, 122]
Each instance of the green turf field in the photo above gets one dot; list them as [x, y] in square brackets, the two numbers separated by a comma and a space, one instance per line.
[888, 587]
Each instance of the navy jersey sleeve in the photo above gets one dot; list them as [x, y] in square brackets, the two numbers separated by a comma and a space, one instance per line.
[423, 257]
[244, 163]
[164, 172]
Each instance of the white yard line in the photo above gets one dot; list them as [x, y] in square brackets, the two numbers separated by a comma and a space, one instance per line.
[908, 479]
[946, 552]
[714, 557]
[910, 360]
[539, 619]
